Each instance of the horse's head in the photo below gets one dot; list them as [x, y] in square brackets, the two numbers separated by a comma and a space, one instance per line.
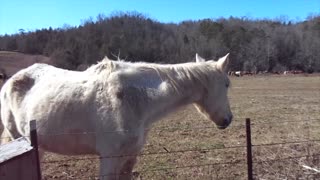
[214, 102]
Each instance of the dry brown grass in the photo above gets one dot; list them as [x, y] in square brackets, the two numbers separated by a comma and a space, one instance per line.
[282, 109]
[12, 62]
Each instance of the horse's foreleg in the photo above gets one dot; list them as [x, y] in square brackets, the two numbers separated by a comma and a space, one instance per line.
[110, 168]
[127, 167]
[117, 168]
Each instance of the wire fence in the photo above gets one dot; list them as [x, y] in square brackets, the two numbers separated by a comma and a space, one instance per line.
[257, 159]
[160, 129]
[175, 128]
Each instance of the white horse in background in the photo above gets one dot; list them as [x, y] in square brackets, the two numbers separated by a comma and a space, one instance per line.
[107, 109]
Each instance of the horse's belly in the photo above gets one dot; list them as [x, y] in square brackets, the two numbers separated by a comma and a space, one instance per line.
[70, 144]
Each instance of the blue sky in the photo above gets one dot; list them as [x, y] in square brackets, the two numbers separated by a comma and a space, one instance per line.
[37, 14]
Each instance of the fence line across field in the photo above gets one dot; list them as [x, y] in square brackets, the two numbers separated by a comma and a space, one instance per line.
[179, 151]
[148, 154]
[285, 159]
[282, 122]
[285, 143]
[160, 129]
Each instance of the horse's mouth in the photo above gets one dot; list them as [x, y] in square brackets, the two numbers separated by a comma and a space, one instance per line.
[225, 123]
[222, 127]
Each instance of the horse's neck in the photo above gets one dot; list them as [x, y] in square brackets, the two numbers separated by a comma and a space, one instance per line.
[176, 90]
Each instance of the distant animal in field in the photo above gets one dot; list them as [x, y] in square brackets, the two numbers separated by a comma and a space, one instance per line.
[108, 109]
[293, 72]
[238, 73]
[248, 73]
[231, 73]
[297, 72]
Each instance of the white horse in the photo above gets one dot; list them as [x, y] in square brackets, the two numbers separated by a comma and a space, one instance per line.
[108, 108]
[238, 73]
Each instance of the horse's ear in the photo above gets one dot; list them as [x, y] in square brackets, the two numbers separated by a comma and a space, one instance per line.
[223, 62]
[199, 59]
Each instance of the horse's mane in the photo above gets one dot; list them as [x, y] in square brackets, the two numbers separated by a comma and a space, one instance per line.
[106, 65]
[175, 74]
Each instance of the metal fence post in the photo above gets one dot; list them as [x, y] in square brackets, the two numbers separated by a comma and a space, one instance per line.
[249, 149]
[34, 144]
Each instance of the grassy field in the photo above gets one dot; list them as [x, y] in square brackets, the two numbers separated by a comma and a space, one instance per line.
[11, 62]
[285, 114]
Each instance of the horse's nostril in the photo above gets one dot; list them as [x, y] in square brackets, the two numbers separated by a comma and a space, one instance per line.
[228, 120]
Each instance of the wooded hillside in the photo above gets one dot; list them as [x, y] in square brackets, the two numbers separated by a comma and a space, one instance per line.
[255, 45]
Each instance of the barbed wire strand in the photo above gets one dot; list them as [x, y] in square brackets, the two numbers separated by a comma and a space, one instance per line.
[175, 151]
[281, 122]
[119, 131]
[147, 154]
[285, 143]
[285, 159]
[172, 128]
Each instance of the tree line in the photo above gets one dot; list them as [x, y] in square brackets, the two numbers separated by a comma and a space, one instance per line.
[254, 45]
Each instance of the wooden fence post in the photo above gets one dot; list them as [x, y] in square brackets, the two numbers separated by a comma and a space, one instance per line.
[34, 144]
[249, 149]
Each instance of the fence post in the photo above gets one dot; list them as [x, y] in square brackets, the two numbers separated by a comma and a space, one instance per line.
[249, 150]
[34, 144]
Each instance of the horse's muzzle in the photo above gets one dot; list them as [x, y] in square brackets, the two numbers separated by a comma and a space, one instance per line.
[227, 122]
